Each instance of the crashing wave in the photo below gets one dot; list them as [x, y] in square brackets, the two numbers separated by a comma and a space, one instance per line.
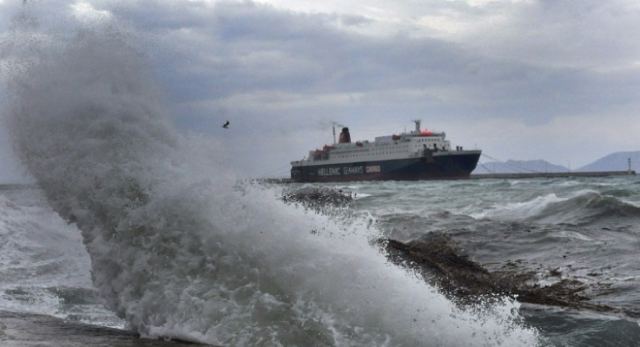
[582, 207]
[177, 250]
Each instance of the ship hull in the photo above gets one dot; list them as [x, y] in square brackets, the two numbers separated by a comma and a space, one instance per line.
[456, 165]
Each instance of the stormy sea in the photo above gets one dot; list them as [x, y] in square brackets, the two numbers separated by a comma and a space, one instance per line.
[137, 234]
[444, 263]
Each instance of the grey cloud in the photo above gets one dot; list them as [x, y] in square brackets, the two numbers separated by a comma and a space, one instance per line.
[208, 56]
[580, 34]
[276, 73]
[212, 53]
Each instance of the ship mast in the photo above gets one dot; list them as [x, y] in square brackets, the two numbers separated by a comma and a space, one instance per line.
[417, 121]
[334, 132]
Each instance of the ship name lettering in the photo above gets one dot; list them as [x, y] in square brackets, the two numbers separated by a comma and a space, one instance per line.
[329, 171]
[373, 169]
[352, 170]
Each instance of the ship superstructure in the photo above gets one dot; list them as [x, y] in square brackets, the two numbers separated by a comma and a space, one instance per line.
[419, 154]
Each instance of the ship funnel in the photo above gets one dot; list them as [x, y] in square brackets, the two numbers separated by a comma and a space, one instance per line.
[345, 137]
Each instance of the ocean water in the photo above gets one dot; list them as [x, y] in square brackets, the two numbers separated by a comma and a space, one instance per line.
[325, 286]
[585, 229]
[135, 225]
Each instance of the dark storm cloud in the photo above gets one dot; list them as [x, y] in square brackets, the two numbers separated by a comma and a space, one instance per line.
[213, 52]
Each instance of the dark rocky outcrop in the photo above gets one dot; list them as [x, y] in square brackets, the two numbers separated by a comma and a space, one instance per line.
[437, 258]
[319, 197]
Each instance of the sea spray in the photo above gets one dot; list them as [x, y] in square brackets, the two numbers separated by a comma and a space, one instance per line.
[178, 249]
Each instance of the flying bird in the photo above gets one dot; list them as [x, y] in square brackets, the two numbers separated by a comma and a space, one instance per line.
[226, 125]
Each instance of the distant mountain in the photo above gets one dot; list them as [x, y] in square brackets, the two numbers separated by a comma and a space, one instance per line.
[615, 162]
[516, 166]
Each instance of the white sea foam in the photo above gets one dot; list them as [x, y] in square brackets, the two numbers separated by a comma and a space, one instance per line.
[579, 207]
[519, 210]
[178, 249]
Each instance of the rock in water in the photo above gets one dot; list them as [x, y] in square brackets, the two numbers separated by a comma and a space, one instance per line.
[441, 263]
[319, 197]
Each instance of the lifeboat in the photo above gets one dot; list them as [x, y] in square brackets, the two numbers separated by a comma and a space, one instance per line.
[425, 132]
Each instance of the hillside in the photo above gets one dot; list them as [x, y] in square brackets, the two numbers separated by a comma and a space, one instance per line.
[518, 166]
[615, 162]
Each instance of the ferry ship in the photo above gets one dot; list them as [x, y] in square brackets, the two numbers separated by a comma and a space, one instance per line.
[416, 155]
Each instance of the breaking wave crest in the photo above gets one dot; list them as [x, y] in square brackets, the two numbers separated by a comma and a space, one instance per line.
[583, 207]
[178, 249]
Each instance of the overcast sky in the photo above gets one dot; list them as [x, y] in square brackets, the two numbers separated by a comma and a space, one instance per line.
[519, 79]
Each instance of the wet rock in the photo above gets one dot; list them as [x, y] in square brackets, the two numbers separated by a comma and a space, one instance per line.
[319, 197]
[555, 272]
[438, 259]
[441, 264]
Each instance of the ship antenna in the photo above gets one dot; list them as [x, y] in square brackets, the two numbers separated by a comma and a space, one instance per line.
[333, 126]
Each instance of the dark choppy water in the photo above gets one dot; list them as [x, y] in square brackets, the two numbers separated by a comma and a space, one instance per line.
[586, 229]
